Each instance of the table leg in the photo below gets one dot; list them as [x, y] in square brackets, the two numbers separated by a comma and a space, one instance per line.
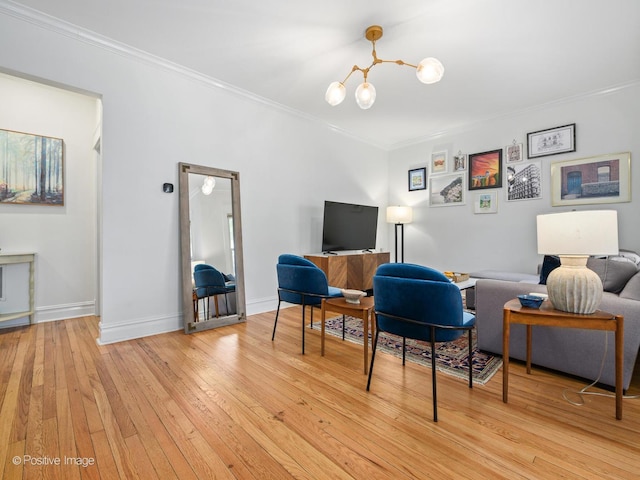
[323, 315]
[373, 327]
[195, 306]
[505, 355]
[528, 349]
[365, 326]
[619, 363]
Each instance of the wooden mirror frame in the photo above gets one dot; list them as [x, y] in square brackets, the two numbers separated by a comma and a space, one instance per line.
[191, 324]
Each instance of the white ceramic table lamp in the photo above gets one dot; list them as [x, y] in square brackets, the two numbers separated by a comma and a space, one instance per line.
[574, 236]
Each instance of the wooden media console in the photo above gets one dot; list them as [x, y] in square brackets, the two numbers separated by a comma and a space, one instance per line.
[353, 271]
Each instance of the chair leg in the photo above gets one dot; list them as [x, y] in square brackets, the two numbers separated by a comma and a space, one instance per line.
[373, 356]
[303, 310]
[470, 359]
[275, 324]
[343, 322]
[311, 316]
[433, 374]
[404, 348]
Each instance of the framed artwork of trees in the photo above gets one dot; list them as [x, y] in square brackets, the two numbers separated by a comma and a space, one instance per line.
[31, 169]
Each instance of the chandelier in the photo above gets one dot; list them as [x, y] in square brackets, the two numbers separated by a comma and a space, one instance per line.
[429, 70]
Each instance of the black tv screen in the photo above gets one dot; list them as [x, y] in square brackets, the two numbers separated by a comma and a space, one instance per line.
[347, 226]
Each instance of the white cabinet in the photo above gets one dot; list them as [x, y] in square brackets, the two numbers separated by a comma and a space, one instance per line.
[17, 287]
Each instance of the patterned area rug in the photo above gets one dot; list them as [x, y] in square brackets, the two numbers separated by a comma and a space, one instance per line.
[451, 357]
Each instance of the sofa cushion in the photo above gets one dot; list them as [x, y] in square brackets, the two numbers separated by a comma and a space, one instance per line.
[614, 272]
[632, 289]
[630, 255]
[550, 263]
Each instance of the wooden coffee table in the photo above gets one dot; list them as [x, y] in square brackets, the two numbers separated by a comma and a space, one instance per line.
[364, 310]
[548, 316]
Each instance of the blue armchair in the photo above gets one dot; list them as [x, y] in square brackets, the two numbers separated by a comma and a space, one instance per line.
[209, 282]
[301, 282]
[418, 302]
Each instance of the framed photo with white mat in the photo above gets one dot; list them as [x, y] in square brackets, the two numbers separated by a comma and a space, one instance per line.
[486, 202]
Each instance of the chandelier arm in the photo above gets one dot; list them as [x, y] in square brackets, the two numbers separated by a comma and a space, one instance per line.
[398, 62]
[365, 72]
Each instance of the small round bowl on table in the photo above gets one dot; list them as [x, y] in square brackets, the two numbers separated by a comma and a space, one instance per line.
[352, 296]
[530, 301]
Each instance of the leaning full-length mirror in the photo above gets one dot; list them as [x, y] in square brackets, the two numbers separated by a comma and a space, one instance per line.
[211, 248]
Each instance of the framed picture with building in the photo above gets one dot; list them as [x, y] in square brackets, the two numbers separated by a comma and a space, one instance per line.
[485, 170]
[524, 181]
[551, 141]
[593, 180]
[513, 153]
[486, 202]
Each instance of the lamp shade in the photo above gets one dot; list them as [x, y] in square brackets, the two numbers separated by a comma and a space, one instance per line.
[335, 94]
[365, 95]
[430, 70]
[399, 214]
[592, 232]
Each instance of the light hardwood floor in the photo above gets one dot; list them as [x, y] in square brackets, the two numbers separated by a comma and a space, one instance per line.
[230, 403]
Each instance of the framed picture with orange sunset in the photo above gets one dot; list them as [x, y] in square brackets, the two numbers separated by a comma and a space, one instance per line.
[485, 170]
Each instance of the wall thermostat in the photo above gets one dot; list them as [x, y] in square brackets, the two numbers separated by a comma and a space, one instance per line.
[167, 187]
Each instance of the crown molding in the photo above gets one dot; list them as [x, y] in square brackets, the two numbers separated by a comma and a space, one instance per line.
[67, 29]
[61, 27]
[613, 89]
[48, 22]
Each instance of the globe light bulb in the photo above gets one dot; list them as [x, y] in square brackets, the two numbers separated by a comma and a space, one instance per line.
[208, 184]
[430, 70]
[335, 94]
[365, 95]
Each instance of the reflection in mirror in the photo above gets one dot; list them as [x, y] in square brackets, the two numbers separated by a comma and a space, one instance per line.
[211, 248]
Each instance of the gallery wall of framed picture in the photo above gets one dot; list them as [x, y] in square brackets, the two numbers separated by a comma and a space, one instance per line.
[518, 171]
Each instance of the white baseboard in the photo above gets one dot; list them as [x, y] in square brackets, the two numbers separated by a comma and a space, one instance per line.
[52, 313]
[145, 327]
[138, 328]
[262, 305]
[135, 328]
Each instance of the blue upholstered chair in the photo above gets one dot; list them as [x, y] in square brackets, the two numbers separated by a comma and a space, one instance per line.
[209, 282]
[301, 282]
[418, 302]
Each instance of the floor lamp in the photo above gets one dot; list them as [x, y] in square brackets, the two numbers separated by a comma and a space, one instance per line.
[399, 216]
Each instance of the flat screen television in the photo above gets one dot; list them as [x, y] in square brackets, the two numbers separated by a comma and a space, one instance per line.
[348, 226]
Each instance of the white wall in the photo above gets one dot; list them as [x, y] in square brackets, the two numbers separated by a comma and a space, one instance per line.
[454, 238]
[64, 238]
[155, 117]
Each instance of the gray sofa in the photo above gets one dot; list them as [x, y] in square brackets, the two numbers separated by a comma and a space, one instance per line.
[573, 351]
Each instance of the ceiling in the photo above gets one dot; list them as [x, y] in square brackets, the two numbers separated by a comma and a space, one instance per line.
[500, 56]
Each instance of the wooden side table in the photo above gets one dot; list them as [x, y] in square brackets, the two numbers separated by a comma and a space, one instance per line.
[547, 316]
[363, 310]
